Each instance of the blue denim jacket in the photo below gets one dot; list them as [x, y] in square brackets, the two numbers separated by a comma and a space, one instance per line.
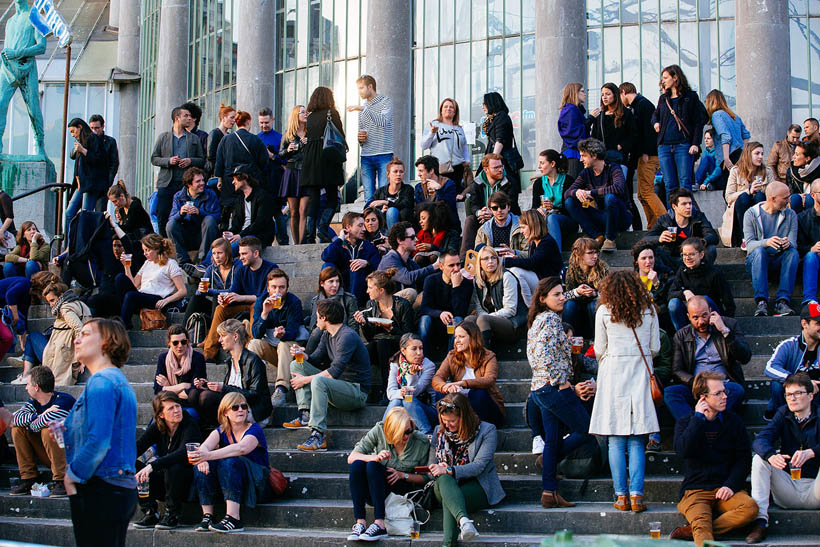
[100, 435]
[728, 131]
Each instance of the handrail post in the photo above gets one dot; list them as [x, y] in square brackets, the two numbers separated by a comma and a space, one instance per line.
[59, 228]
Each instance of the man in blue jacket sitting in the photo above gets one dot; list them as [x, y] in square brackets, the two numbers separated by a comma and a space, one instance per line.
[194, 222]
[352, 255]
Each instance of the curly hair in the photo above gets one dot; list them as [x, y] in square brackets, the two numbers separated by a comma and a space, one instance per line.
[626, 297]
[575, 273]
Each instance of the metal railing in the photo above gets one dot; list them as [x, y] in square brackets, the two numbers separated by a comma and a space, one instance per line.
[59, 188]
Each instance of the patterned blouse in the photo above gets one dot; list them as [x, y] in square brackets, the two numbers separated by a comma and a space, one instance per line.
[548, 351]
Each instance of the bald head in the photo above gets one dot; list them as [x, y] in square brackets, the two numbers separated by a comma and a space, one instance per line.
[777, 196]
[698, 311]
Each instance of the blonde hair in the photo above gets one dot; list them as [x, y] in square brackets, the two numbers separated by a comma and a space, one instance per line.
[570, 94]
[230, 399]
[293, 123]
[395, 423]
[163, 246]
[493, 278]
[714, 101]
[575, 273]
[234, 326]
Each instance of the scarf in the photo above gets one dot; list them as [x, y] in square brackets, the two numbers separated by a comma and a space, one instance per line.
[806, 170]
[488, 121]
[406, 369]
[174, 369]
[451, 450]
[65, 298]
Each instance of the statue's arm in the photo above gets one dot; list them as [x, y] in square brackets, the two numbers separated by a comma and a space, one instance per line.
[38, 48]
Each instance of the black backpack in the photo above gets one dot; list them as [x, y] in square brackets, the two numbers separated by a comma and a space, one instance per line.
[89, 248]
[584, 462]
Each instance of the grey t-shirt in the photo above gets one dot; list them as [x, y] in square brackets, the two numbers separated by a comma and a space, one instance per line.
[769, 222]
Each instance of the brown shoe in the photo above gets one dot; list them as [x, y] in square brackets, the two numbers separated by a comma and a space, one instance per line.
[622, 504]
[638, 506]
[682, 532]
[552, 499]
[757, 534]
[609, 246]
[600, 240]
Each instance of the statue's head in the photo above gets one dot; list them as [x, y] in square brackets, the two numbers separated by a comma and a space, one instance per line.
[22, 5]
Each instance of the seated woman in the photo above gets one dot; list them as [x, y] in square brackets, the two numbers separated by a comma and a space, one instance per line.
[653, 274]
[31, 254]
[169, 475]
[330, 286]
[435, 235]
[386, 317]
[745, 187]
[581, 279]
[217, 279]
[463, 467]
[375, 229]
[180, 366]
[472, 370]
[410, 377]
[396, 200]
[697, 277]
[56, 351]
[543, 259]
[158, 284]
[246, 374]
[384, 461]
[548, 195]
[498, 305]
[233, 459]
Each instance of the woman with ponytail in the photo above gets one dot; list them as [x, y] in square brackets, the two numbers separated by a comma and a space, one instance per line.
[159, 283]
[130, 219]
[548, 192]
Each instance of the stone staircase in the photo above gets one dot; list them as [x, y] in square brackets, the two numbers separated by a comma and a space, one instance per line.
[316, 509]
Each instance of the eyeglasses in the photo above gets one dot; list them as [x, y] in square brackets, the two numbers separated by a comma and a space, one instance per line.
[408, 432]
[689, 255]
[243, 406]
[489, 258]
[794, 395]
[497, 207]
[720, 393]
[179, 342]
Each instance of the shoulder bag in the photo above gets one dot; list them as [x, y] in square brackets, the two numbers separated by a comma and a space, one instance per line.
[245, 146]
[655, 386]
[334, 147]
[513, 157]
[152, 319]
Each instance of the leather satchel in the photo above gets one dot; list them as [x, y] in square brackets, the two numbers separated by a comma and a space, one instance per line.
[152, 319]
[278, 482]
[334, 147]
[655, 386]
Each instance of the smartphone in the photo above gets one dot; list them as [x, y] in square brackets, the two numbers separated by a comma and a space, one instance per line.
[422, 469]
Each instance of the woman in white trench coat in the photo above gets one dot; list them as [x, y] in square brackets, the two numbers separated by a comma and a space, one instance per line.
[623, 409]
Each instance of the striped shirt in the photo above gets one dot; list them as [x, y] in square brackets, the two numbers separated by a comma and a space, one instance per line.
[377, 119]
[33, 416]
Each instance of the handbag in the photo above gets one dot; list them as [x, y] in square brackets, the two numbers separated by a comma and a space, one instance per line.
[334, 147]
[399, 514]
[278, 482]
[152, 319]
[513, 157]
[655, 386]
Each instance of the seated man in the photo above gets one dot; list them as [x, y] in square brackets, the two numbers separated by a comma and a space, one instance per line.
[277, 324]
[490, 180]
[254, 209]
[445, 300]
[194, 222]
[770, 234]
[808, 244]
[791, 439]
[796, 354]
[435, 187]
[503, 228]
[672, 229]
[597, 199]
[410, 276]
[32, 441]
[344, 383]
[708, 343]
[249, 282]
[714, 446]
[352, 255]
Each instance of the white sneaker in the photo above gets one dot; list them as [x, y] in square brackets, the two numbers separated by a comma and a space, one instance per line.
[537, 445]
[20, 380]
[468, 531]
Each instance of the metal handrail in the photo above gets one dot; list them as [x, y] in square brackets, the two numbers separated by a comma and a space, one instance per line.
[56, 185]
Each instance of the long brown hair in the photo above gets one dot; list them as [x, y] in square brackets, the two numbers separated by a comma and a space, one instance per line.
[575, 274]
[157, 404]
[745, 168]
[118, 190]
[714, 101]
[21, 232]
[618, 105]
[626, 297]
[475, 349]
[458, 404]
[537, 307]
[321, 99]
[329, 273]
[570, 94]
[455, 106]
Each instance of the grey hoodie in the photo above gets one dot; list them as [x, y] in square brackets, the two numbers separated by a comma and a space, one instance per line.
[753, 234]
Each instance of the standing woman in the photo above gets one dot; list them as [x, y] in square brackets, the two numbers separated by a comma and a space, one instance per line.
[30, 255]
[582, 279]
[616, 128]
[292, 150]
[548, 194]
[627, 337]
[227, 119]
[730, 132]
[572, 126]
[543, 258]
[100, 445]
[445, 139]
[317, 172]
[498, 127]
[746, 187]
[678, 120]
[90, 171]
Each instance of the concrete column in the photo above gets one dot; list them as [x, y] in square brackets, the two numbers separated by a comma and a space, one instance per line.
[560, 55]
[763, 65]
[172, 62]
[128, 55]
[390, 62]
[114, 12]
[255, 58]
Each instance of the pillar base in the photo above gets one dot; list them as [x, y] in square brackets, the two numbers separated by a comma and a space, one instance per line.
[19, 174]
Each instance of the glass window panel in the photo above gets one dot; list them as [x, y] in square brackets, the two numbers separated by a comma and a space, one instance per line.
[528, 16]
[312, 82]
[687, 10]
[706, 9]
[478, 80]
[430, 22]
[593, 13]
[726, 8]
[289, 87]
[669, 10]
[327, 31]
[611, 12]
[629, 11]
[314, 38]
[351, 119]
[338, 79]
[495, 17]
[353, 28]
[53, 119]
[797, 7]
[421, 118]
[418, 37]
[631, 63]
[669, 44]
[339, 28]
[495, 66]
[594, 66]
[612, 54]
[512, 74]
[650, 60]
[708, 57]
[446, 21]
[689, 50]
[290, 30]
[363, 38]
[649, 11]
[799, 64]
[446, 72]
[302, 19]
[479, 23]
[462, 15]
[431, 79]
[527, 131]
[462, 93]
[301, 85]
[512, 16]
[814, 63]
[728, 83]
[814, 7]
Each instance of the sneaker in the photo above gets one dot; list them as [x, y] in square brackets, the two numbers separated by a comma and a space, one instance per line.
[16, 362]
[150, 520]
[768, 415]
[58, 490]
[315, 443]
[169, 521]
[205, 524]
[373, 533]
[742, 245]
[537, 445]
[193, 270]
[355, 532]
[300, 422]
[468, 531]
[24, 488]
[609, 246]
[20, 380]
[278, 397]
[762, 309]
[228, 525]
[782, 308]
[653, 447]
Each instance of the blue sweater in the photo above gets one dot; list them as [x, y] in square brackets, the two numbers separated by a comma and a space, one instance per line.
[729, 131]
[206, 202]
[288, 316]
[248, 282]
[409, 274]
[544, 259]
[340, 253]
[708, 168]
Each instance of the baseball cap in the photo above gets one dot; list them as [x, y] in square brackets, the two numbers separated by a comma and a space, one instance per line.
[810, 311]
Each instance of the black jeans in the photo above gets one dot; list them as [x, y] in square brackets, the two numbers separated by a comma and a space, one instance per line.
[101, 512]
[380, 351]
[368, 484]
[165, 199]
[200, 303]
[171, 485]
[320, 216]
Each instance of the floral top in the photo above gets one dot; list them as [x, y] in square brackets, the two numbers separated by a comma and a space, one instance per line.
[548, 351]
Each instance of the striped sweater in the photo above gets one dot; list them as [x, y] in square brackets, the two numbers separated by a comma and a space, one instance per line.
[33, 415]
[377, 119]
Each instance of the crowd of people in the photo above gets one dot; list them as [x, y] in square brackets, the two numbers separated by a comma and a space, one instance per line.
[404, 285]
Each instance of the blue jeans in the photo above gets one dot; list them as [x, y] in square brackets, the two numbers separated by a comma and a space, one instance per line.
[811, 264]
[680, 402]
[430, 328]
[424, 416]
[374, 167]
[561, 413]
[764, 261]
[392, 216]
[227, 474]
[35, 346]
[558, 225]
[618, 446]
[678, 312]
[614, 217]
[676, 166]
[16, 269]
[797, 205]
[777, 397]
[581, 315]
[485, 407]
[88, 202]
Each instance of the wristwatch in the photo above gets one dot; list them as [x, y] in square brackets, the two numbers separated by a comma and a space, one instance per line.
[406, 476]
[449, 469]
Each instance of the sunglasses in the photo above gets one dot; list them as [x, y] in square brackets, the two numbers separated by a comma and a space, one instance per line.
[497, 207]
[444, 404]
[243, 406]
[179, 342]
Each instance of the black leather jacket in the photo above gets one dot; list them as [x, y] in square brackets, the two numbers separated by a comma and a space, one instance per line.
[734, 352]
[254, 384]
